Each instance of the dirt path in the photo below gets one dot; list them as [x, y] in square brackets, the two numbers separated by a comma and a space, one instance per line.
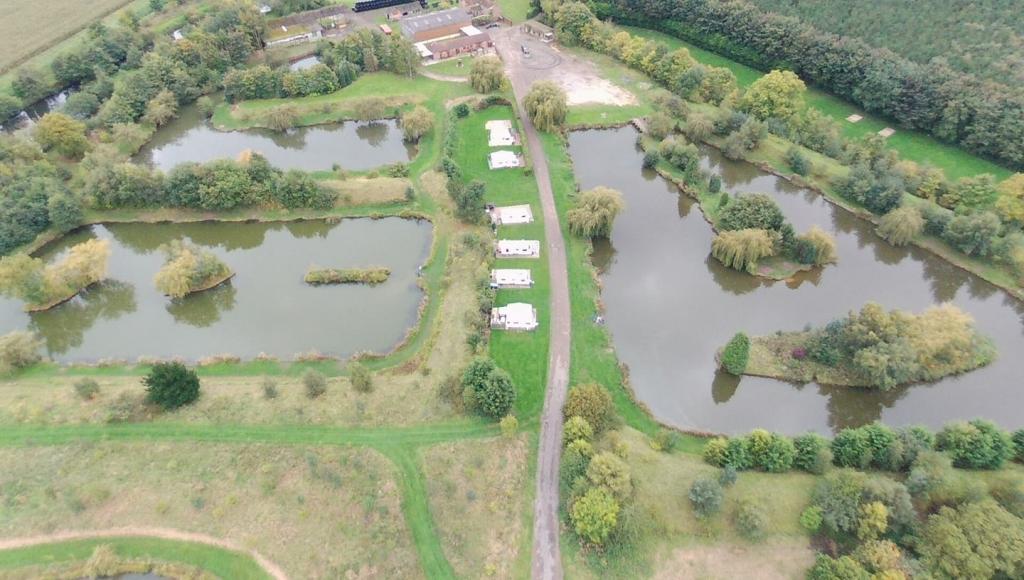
[547, 556]
[425, 71]
[163, 533]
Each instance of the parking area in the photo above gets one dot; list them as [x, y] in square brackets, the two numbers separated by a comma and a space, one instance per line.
[528, 60]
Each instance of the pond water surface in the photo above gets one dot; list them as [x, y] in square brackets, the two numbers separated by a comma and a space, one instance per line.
[37, 109]
[304, 62]
[352, 145]
[670, 306]
[266, 307]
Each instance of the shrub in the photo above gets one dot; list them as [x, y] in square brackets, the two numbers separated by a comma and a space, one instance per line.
[595, 515]
[851, 448]
[736, 354]
[573, 466]
[838, 495]
[901, 225]
[609, 471]
[880, 556]
[978, 444]
[666, 440]
[716, 451]
[497, 395]
[751, 520]
[1018, 444]
[797, 161]
[770, 452]
[728, 476]
[810, 518]
[593, 403]
[65, 211]
[509, 426]
[660, 125]
[188, 268]
[461, 110]
[973, 234]
[269, 388]
[87, 389]
[362, 379]
[577, 427]
[842, 568]
[706, 497]
[751, 211]
[315, 383]
[171, 385]
[810, 452]
[19, 349]
[819, 248]
[737, 454]
[594, 212]
[651, 159]
[872, 521]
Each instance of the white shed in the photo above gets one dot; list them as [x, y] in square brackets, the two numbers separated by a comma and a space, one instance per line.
[511, 215]
[500, 133]
[510, 278]
[515, 316]
[503, 159]
[517, 249]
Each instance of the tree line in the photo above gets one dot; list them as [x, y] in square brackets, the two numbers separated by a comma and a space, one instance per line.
[982, 116]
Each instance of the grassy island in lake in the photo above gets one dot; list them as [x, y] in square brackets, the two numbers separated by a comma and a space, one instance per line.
[371, 276]
[876, 349]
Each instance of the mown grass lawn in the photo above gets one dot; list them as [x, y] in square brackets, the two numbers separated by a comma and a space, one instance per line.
[218, 561]
[913, 145]
[523, 354]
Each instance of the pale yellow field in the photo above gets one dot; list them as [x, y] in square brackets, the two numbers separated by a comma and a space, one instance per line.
[29, 26]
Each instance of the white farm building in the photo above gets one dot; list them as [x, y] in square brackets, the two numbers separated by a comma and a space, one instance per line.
[500, 133]
[511, 215]
[511, 278]
[517, 249]
[502, 160]
[515, 316]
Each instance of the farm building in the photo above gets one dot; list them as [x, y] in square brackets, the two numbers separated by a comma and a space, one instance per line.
[511, 278]
[436, 25]
[545, 32]
[511, 215]
[306, 26]
[517, 249]
[500, 133]
[502, 160]
[473, 40]
[515, 316]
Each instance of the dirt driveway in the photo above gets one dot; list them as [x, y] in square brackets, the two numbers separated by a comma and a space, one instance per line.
[581, 80]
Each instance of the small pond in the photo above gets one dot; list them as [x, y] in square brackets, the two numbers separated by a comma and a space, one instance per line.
[304, 62]
[266, 307]
[670, 306]
[352, 145]
[37, 109]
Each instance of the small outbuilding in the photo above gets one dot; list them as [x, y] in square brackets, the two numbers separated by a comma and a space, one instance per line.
[503, 160]
[500, 133]
[511, 278]
[515, 316]
[517, 249]
[511, 215]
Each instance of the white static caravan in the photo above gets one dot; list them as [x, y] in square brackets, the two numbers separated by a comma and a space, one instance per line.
[511, 215]
[500, 133]
[517, 249]
[511, 278]
[502, 160]
[515, 316]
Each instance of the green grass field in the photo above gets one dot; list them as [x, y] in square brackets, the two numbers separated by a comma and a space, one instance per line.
[523, 354]
[515, 10]
[218, 561]
[913, 145]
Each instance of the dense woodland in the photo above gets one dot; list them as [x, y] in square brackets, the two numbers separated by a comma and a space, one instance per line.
[980, 115]
[984, 38]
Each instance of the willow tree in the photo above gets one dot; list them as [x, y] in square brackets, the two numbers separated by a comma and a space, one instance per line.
[546, 105]
[594, 212]
[901, 225]
[487, 74]
[38, 284]
[416, 123]
[741, 249]
[188, 269]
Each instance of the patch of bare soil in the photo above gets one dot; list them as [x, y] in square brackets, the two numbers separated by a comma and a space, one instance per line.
[787, 560]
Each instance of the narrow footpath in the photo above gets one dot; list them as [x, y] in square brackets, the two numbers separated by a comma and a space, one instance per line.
[547, 556]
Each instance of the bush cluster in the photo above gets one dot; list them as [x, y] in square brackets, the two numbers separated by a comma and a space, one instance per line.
[488, 389]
